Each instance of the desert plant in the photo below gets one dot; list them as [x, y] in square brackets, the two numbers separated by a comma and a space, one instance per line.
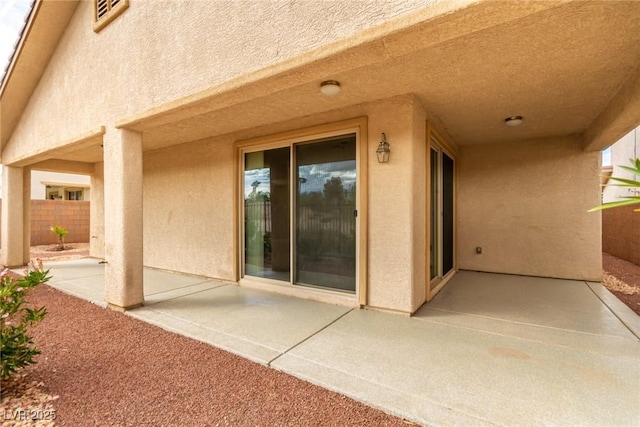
[60, 232]
[626, 183]
[16, 346]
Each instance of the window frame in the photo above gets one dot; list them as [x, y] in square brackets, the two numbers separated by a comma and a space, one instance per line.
[442, 146]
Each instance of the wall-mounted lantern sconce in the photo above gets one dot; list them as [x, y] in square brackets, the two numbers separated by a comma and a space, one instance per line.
[383, 150]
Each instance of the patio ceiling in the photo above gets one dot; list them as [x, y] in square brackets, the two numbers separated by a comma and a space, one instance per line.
[559, 65]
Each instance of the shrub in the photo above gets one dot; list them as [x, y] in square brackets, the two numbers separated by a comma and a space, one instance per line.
[60, 232]
[632, 184]
[16, 347]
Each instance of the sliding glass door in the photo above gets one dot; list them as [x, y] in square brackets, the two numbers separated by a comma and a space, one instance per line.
[325, 224]
[302, 215]
[441, 195]
[267, 236]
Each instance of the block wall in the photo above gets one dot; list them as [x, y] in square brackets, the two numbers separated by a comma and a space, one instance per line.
[72, 215]
[621, 233]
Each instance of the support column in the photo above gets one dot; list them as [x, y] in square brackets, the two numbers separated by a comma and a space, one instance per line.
[123, 218]
[26, 215]
[13, 218]
[96, 217]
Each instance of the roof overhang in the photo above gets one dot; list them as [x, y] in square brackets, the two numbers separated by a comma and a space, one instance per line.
[568, 67]
[65, 184]
[45, 25]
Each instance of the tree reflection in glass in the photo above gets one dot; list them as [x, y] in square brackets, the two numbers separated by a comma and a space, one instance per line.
[325, 213]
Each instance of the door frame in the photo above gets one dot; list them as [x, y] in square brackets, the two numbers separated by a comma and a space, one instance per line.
[443, 145]
[290, 139]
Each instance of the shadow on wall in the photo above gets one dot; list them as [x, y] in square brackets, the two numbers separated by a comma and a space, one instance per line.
[621, 233]
[72, 215]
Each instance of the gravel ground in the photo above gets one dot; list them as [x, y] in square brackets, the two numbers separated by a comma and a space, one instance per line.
[51, 253]
[109, 369]
[622, 278]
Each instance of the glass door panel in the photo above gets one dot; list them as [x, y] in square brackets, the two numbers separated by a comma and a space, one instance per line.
[447, 214]
[442, 238]
[433, 241]
[325, 224]
[267, 238]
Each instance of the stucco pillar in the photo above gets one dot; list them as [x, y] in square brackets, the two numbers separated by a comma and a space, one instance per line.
[26, 215]
[96, 217]
[123, 218]
[13, 217]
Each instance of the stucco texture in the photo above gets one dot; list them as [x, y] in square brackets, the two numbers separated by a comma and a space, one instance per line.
[391, 203]
[152, 67]
[418, 209]
[526, 205]
[158, 98]
[189, 199]
[96, 239]
[189, 209]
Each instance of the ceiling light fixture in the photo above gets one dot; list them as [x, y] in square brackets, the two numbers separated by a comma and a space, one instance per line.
[513, 121]
[330, 87]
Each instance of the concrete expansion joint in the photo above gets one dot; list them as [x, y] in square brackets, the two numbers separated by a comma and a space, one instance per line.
[558, 342]
[308, 338]
[362, 393]
[181, 295]
[634, 332]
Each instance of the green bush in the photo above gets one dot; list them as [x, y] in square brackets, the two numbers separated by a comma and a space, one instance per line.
[632, 184]
[60, 232]
[17, 349]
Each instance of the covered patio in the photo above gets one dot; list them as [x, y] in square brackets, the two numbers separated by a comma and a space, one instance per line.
[489, 349]
[441, 80]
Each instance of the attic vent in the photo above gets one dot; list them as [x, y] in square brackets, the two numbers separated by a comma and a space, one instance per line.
[106, 11]
[103, 8]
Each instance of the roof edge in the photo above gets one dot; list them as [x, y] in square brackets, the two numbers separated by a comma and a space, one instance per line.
[19, 44]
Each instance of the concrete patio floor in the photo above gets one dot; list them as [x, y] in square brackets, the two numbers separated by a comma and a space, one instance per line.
[490, 349]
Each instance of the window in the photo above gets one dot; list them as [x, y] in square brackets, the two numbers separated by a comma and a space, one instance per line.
[606, 157]
[74, 195]
[105, 11]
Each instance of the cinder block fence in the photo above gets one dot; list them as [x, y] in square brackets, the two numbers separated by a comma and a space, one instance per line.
[621, 233]
[72, 215]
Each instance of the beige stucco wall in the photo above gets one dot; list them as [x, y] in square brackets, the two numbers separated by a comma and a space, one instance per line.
[418, 209]
[189, 208]
[96, 216]
[392, 266]
[150, 67]
[188, 190]
[526, 205]
[15, 194]
[189, 202]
